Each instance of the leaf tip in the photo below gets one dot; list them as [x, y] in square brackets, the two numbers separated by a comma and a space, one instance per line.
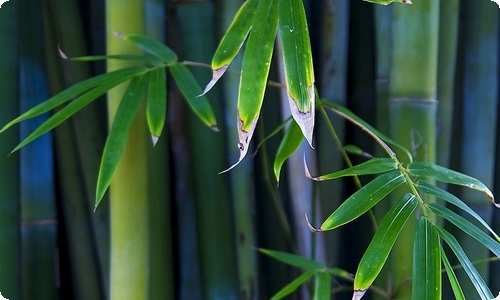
[216, 75]
[61, 53]
[154, 139]
[358, 294]
[312, 228]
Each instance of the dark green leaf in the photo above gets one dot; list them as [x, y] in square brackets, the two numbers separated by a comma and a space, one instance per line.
[294, 285]
[293, 260]
[370, 167]
[455, 285]
[151, 46]
[290, 143]
[157, 102]
[322, 286]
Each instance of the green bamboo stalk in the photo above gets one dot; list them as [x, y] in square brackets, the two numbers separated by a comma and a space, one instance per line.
[129, 189]
[479, 115]
[38, 209]
[413, 106]
[10, 239]
[211, 192]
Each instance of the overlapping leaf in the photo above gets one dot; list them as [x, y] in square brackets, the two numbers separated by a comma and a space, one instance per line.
[322, 286]
[452, 277]
[369, 167]
[293, 285]
[290, 143]
[151, 46]
[292, 259]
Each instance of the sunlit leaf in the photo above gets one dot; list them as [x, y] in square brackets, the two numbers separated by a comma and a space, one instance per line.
[157, 102]
[232, 41]
[298, 65]
[292, 259]
[151, 46]
[293, 285]
[254, 72]
[440, 173]
[467, 227]
[380, 246]
[191, 90]
[452, 199]
[322, 286]
[118, 134]
[427, 281]
[478, 282]
[105, 81]
[290, 143]
[364, 199]
[372, 166]
[452, 278]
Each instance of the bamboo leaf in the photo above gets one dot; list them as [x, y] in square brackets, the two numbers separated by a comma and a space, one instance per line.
[128, 57]
[118, 134]
[364, 199]
[290, 143]
[232, 41]
[293, 285]
[478, 282]
[189, 87]
[297, 58]
[375, 256]
[151, 46]
[254, 73]
[292, 259]
[322, 286]
[455, 285]
[427, 281]
[450, 198]
[385, 2]
[372, 166]
[467, 227]
[439, 173]
[157, 103]
[105, 81]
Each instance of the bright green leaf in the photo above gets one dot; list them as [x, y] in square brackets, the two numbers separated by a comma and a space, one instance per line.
[290, 143]
[364, 199]
[427, 281]
[151, 46]
[191, 90]
[118, 134]
[478, 282]
[380, 246]
[370, 167]
[298, 65]
[293, 260]
[157, 102]
[293, 285]
[455, 285]
[322, 286]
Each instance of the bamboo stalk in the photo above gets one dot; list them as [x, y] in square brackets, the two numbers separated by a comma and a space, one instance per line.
[10, 239]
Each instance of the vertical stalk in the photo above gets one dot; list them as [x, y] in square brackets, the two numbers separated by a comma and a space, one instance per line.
[413, 106]
[10, 239]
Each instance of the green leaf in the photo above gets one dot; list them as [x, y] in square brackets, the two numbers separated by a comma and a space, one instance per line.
[293, 285]
[455, 285]
[157, 102]
[372, 166]
[427, 281]
[466, 226]
[118, 134]
[151, 46]
[292, 259]
[439, 173]
[191, 90]
[232, 41]
[290, 143]
[128, 57]
[478, 282]
[428, 188]
[385, 2]
[364, 199]
[298, 65]
[254, 72]
[105, 81]
[322, 286]
[380, 246]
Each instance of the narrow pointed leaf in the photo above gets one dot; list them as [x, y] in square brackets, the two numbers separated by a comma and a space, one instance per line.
[191, 90]
[426, 262]
[380, 246]
[157, 102]
[293, 285]
[478, 282]
[297, 59]
[439, 173]
[254, 72]
[292, 259]
[105, 80]
[369, 167]
[467, 227]
[118, 134]
[152, 46]
[385, 2]
[129, 57]
[290, 143]
[364, 199]
[322, 286]
[455, 285]
[452, 199]
[232, 41]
